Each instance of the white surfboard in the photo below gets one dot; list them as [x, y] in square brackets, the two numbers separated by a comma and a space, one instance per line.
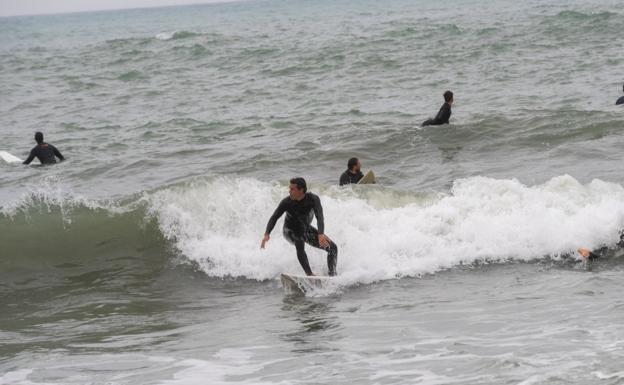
[368, 178]
[301, 284]
[9, 158]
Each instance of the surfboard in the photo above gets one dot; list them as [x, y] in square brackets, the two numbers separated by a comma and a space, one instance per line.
[9, 158]
[368, 178]
[301, 284]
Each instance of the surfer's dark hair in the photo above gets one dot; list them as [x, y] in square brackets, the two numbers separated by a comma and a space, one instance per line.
[448, 96]
[352, 162]
[300, 182]
[39, 137]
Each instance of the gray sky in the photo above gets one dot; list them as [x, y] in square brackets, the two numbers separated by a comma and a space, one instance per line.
[33, 7]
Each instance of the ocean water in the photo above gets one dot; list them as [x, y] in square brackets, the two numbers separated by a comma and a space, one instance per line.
[137, 260]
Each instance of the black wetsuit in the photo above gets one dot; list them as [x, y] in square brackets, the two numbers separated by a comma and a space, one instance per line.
[442, 117]
[347, 177]
[593, 256]
[298, 228]
[45, 153]
[620, 101]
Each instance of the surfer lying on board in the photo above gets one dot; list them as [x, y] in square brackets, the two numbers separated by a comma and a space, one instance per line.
[353, 174]
[589, 255]
[299, 207]
[444, 114]
[43, 151]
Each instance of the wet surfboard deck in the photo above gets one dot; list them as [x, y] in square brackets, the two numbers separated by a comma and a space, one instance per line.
[368, 178]
[301, 284]
[9, 158]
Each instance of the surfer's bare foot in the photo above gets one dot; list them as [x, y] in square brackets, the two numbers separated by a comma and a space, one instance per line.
[584, 252]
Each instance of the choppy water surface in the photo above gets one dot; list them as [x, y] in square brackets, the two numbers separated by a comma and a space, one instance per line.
[137, 259]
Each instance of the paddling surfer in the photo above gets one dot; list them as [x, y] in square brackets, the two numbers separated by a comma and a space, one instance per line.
[589, 255]
[45, 152]
[300, 206]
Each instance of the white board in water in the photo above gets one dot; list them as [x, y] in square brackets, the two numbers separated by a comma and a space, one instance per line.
[302, 283]
[9, 158]
[368, 178]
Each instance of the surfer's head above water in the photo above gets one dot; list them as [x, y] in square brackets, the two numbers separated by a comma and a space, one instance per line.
[448, 97]
[297, 188]
[354, 165]
[39, 137]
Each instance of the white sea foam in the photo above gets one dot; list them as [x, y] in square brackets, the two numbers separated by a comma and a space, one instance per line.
[17, 376]
[609, 376]
[165, 35]
[219, 224]
[227, 362]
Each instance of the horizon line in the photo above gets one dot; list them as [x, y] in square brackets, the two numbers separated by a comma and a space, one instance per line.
[60, 13]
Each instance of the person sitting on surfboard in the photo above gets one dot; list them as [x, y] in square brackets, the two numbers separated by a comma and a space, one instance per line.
[300, 206]
[43, 151]
[621, 99]
[444, 114]
[353, 174]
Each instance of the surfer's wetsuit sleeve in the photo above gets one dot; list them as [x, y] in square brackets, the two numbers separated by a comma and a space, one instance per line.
[344, 178]
[30, 157]
[620, 101]
[318, 213]
[593, 256]
[442, 117]
[279, 211]
[57, 153]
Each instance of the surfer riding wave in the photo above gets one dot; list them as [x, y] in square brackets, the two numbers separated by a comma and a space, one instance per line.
[300, 207]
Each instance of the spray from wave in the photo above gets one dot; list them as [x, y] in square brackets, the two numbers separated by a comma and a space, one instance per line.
[175, 35]
[219, 223]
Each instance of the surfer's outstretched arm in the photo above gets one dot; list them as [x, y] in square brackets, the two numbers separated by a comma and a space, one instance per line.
[30, 158]
[57, 153]
[279, 211]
